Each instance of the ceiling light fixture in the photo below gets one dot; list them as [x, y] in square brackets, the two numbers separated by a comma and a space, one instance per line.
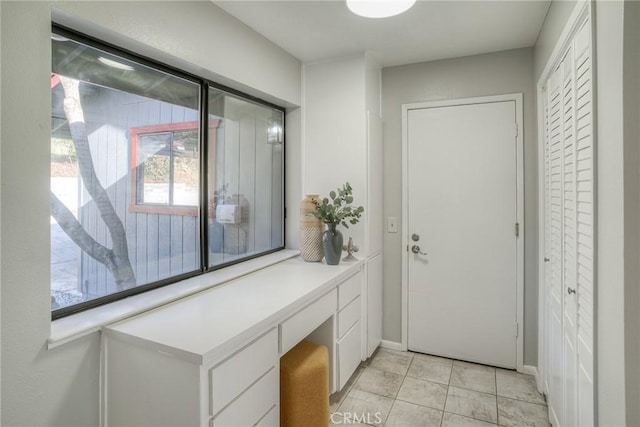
[58, 38]
[379, 8]
[274, 132]
[115, 64]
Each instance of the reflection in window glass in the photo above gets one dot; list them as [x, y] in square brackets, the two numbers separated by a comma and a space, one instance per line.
[154, 176]
[168, 168]
[124, 174]
[246, 186]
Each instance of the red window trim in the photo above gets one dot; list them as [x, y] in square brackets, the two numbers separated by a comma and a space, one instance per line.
[159, 209]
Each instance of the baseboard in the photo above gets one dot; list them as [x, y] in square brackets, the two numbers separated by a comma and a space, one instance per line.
[391, 345]
[530, 370]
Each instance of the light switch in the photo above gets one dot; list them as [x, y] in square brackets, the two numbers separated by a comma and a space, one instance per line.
[392, 224]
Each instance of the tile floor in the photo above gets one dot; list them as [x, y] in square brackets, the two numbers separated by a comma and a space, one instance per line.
[396, 388]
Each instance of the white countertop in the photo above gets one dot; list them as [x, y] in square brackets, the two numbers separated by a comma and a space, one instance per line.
[209, 324]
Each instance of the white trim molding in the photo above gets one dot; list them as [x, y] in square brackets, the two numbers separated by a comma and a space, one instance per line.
[518, 99]
[530, 370]
[391, 345]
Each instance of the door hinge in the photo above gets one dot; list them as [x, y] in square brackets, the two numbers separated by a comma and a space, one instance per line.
[517, 229]
[517, 329]
[516, 129]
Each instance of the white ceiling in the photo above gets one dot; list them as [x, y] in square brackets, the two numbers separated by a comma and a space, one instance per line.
[314, 30]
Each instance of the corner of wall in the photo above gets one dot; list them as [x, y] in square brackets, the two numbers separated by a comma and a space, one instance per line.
[609, 299]
[555, 21]
[631, 94]
[293, 176]
[0, 212]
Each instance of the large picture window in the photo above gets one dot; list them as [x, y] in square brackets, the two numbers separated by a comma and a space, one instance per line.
[142, 195]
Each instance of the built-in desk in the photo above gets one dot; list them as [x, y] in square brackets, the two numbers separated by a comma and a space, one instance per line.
[213, 358]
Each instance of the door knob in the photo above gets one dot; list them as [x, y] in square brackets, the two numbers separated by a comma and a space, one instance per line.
[546, 259]
[416, 250]
[571, 291]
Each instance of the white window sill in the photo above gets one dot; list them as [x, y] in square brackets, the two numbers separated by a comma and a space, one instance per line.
[78, 325]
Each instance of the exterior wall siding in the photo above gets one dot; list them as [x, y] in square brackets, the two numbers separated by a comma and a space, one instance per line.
[110, 139]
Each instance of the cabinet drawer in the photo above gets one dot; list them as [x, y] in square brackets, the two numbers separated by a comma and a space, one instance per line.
[348, 317]
[349, 354]
[272, 419]
[298, 326]
[251, 406]
[234, 375]
[348, 290]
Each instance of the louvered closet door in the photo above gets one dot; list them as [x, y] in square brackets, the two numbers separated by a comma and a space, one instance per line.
[544, 362]
[569, 237]
[569, 231]
[585, 229]
[554, 284]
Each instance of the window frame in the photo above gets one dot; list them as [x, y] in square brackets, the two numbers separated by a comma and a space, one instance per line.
[205, 126]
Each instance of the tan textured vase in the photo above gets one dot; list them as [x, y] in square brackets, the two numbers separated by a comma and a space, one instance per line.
[311, 229]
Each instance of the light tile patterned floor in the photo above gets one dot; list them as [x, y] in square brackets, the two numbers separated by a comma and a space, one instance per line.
[407, 389]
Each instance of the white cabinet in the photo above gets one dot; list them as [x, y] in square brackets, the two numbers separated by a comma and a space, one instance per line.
[349, 316]
[212, 359]
[252, 405]
[349, 328]
[298, 326]
[348, 354]
[373, 312]
[153, 387]
[374, 304]
[146, 387]
[343, 129]
[235, 375]
[349, 341]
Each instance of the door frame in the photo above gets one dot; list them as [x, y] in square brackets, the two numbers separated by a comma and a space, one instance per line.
[517, 98]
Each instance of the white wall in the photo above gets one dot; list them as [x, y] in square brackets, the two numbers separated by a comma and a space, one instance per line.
[557, 17]
[208, 42]
[373, 81]
[610, 214]
[335, 131]
[490, 74]
[293, 185]
[61, 386]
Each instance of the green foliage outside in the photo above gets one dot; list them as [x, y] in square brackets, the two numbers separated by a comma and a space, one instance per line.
[156, 169]
[62, 149]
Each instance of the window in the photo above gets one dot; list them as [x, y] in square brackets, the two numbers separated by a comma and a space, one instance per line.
[165, 168]
[246, 185]
[141, 194]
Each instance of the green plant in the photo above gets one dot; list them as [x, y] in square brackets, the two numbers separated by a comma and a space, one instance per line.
[338, 210]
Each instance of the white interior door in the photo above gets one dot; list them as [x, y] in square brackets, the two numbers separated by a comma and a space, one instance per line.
[462, 213]
[583, 299]
[569, 239]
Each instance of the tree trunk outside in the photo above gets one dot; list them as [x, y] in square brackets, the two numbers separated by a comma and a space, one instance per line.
[116, 259]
